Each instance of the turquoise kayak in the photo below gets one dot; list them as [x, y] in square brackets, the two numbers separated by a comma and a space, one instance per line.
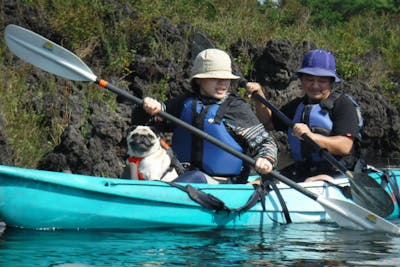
[46, 200]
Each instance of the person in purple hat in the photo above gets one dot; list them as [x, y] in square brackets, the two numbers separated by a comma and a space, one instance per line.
[329, 117]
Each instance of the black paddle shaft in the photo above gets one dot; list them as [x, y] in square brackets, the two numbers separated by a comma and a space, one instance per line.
[250, 160]
[208, 137]
[179, 122]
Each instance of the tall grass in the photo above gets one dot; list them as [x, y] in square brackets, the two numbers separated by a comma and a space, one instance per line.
[25, 132]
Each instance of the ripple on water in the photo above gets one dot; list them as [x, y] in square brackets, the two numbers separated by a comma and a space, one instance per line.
[308, 244]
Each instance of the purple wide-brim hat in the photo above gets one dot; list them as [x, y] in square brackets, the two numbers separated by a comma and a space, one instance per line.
[319, 62]
[320, 72]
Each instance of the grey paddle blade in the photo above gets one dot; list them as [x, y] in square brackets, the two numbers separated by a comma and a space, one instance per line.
[46, 55]
[200, 43]
[348, 215]
[367, 193]
[344, 213]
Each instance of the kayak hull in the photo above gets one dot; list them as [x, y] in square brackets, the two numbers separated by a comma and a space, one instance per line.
[46, 200]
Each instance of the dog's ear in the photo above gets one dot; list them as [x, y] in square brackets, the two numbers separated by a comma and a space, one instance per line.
[129, 131]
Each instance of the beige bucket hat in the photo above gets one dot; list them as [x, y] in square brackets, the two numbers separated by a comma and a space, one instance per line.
[212, 63]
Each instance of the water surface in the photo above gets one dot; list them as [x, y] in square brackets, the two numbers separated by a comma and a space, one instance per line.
[308, 244]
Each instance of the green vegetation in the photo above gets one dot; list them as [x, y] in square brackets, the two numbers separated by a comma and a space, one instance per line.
[117, 29]
[24, 126]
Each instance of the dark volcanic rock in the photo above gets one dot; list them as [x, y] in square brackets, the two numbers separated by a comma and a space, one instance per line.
[382, 125]
[95, 147]
[94, 140]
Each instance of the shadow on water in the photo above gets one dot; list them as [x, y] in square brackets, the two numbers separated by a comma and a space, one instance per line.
[288, 245]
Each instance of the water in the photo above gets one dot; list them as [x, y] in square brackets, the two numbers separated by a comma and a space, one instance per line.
[308, 244]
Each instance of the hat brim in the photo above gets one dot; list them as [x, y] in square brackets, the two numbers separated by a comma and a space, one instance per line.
[319, 72]
[216, 75]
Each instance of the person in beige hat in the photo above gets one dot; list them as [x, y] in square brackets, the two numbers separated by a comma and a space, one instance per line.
[215, 109]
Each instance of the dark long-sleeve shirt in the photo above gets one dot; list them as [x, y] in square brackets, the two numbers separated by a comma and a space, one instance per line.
[239, 119]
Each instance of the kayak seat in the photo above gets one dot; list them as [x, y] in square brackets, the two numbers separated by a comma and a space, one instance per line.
[193, 176]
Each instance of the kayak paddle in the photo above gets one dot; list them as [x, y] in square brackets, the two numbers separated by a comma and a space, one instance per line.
[364, 189]
[48, 56]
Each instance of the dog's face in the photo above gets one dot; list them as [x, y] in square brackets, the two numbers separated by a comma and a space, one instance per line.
[142, 141]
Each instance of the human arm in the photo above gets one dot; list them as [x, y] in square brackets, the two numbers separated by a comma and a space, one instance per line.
[263, 113]
[262, 147]
[337, 145]
[147, 112]
[251, 135]
[345, 129]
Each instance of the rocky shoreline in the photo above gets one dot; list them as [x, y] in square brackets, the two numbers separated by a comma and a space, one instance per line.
[102, 151]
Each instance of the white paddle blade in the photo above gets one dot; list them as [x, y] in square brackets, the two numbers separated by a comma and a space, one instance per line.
[46, 55]
[349, 215]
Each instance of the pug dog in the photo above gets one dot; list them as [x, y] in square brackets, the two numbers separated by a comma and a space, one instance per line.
[154, 162]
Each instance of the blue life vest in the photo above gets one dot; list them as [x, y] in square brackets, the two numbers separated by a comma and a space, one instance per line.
[318, 121]
[200, 153]
[317, 117]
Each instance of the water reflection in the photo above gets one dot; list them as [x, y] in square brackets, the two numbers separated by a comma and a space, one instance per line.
[329, 245]
[288, 245]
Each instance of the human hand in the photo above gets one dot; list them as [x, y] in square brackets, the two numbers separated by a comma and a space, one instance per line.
[263, 166]
[300, 129]
[252, 87]
[151, 105]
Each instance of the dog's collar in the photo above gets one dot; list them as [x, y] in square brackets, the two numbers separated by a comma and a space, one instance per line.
[136, 161]
[140, 176]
